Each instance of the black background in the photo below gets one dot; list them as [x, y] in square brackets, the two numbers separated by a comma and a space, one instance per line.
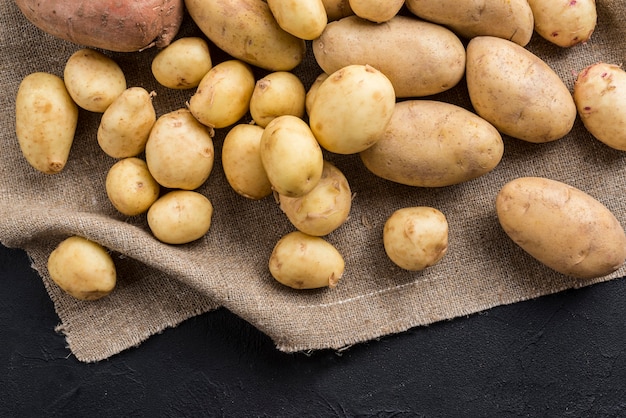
[561, 355]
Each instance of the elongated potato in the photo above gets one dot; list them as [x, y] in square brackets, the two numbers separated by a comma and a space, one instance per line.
[561, 226]
[434, 144]
[305, 19]
[564, 22]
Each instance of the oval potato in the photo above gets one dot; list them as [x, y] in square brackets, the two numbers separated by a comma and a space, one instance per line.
[305, 19]
[564, 22]
[183, 63]
[277, 93]
[130, 187]
[376, 10]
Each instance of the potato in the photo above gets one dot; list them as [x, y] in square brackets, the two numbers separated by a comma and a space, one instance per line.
[179, 151]
[111, 25]
[312, 92]
[247, 30]
[223, 95]
[429, 143]
[126, 123]
[506, 19]
[564, 22]
[305, 19]
[93, 79]
[600, 97]
[130, 187]
[323, 209]
[291, 156]
[336, 9]
[183, 63]
[517, 92]
[561, 226]
[82, 268]
[45, 121]
[277, 93]
[180, 217]
[351, 109]
[241, 162]
[416, 237]
[302, 261]
[384, 46]
[375, 10]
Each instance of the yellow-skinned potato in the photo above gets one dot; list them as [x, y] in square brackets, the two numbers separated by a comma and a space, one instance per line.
[351, 109]
[305, 19]
[600, 97]
[277, 93]
[384, 46]
[291, 156]
[312, 92]
[564, 22]
[376, 10]
[223, 95]
[121, 135]
[183, 63]
[517, 92]
[93, 79]
[434, 144]
[336, 9]
[561, 226]
[506, 19]
[82, 268]
[302, 261]
[45, 121]
[247, 30]
[130, 187]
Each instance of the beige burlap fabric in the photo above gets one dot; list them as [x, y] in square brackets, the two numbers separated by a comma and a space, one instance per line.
[160, 285]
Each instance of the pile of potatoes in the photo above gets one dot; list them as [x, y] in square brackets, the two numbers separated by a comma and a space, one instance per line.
[370, 100]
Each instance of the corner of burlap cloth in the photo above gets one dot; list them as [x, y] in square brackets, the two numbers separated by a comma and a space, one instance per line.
[161, 285]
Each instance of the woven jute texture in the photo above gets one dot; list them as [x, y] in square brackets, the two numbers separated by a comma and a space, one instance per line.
[160, 285]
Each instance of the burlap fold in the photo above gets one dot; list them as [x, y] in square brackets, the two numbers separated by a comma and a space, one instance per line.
[161, 285]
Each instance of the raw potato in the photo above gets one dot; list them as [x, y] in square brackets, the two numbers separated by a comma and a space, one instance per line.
[434, 144]
[179, 151]
[312, 92]
[291, 156]
[376, 10]
[336, 9]
[223, 95]
[130, 187]
[93, 79]
[180, 217]
[305, 19]
[82, 268]
[183, 63]
[506, 19]
[278, 93]
[351, 109]
[241, 162]
[564, 22]
[562, 227]
[45, 121]
[600, 97]
[323, 209]
[247, 30]
[416, 237]
[302, 261]
[517, 92]
[126, 123]
[384, 46]
[114, 26]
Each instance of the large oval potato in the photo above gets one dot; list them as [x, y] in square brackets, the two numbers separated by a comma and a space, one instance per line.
[564, 22]
[517, 91]
[561, 226]
[386, 46]
[434, 144]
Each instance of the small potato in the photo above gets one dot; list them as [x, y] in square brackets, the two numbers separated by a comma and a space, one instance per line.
[305, 19]
[93, 79]
[376, 10]
[126, 123]
[564, 22]
[82, 268]
[302, 261]
[278, 93]
[517, 92]
[312, 92]
[291, 156]
[45, 121]
[562, 227]
[323, 209]
[130, 187]
[180, 217]
[351, 109]
[183, 63]
[416, 237]
[223, 96]
[600, 97]
[241, 162]
[337, 9]
[179, 151]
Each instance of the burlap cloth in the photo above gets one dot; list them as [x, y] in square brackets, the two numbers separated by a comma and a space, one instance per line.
[159, 285]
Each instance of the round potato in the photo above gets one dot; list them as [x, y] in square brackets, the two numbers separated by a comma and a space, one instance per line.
[561, 226]
[302, 261]
[278, 93]
[305, 19]
[376, 10]
[82, 268]
[130, 187]
[564, 22]
[183, 63]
